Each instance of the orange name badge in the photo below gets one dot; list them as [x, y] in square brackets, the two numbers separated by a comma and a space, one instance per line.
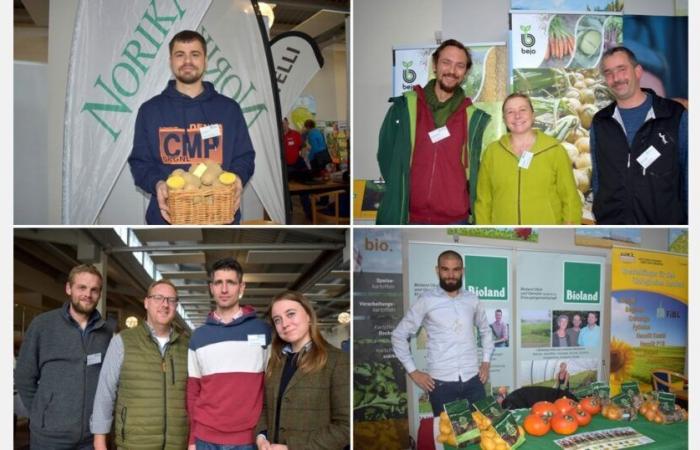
[179, 146]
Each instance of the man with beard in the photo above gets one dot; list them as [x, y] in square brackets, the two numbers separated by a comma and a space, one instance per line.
[143, 380]
[59, 364]
[448, 314]
[188, 123]
[423, 147]
[639, 150]
[226, 366]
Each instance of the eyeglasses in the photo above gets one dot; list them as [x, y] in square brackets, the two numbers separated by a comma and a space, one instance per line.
[160, 299]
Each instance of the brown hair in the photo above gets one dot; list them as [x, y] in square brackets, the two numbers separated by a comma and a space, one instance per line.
[188, 36]
[83, 268]
[308, 361]
[452, 43]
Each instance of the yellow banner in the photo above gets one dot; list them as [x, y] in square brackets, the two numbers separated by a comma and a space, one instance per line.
[661, 273]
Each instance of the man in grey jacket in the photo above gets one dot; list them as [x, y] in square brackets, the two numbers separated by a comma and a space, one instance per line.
[59, 364]
[449, 315]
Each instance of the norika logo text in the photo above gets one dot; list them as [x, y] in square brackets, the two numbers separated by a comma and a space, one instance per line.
[116, 91]
[486, 292]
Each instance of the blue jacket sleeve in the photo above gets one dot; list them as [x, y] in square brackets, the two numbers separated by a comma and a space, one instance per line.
[243, 160]
[683, 158]
[146, 168]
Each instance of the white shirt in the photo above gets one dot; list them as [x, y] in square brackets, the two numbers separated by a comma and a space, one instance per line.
[449, 322]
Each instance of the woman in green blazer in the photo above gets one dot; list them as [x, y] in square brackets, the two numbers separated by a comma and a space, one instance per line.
[307, 383]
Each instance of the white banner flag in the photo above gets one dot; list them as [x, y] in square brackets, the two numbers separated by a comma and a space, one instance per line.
[119, 59]
[297, 59]
[239, 66]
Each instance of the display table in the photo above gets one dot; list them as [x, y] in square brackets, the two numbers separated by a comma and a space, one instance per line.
[666, 437]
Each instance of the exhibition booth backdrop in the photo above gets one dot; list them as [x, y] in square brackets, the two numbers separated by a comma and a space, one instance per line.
[552, 55]
[119, 59]
[643, 291]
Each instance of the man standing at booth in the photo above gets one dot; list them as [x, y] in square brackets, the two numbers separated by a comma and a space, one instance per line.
[639, 150]
[188, 123]
[449, 315]
[423, 153]
[59, 365]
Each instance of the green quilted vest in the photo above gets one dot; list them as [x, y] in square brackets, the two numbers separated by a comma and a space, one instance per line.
[150, 412]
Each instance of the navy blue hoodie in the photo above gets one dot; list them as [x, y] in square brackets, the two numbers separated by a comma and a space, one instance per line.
[167, 136]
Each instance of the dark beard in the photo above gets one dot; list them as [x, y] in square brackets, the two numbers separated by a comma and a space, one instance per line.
[449, 89]
[451, 287]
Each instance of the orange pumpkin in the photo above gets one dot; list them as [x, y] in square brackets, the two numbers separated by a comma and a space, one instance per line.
[564, 405]
[582, 417]
[591, 405]
[536, 425]
[564, 424]
[544, 408]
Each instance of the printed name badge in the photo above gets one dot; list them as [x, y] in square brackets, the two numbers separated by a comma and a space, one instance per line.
[209, 131]
[93, 359]
[649, 156]
[525, 160]
[439, 134]
[256, 339]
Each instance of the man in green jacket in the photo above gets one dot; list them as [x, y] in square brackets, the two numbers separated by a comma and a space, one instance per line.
[424, 146]
[145, 374]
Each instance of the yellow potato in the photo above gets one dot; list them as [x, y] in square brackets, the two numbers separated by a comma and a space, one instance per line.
[175, 182]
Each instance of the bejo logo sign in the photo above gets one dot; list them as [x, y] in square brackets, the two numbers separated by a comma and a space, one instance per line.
[581, 282]
[409, 75]
[486, 276]
[527, 40]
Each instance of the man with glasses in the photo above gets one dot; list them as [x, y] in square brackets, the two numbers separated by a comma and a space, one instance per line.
[227, 360]
[145, 373]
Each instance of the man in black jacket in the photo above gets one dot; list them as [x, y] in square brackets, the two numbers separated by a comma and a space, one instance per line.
[639, 150]
[59, 364]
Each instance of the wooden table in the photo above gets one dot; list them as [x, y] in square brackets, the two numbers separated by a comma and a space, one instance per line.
[296, 188]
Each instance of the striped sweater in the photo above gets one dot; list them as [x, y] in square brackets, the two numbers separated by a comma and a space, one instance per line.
[226, 365]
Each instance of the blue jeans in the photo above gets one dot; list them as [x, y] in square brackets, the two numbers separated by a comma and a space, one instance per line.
[449, 391]
[202, 445]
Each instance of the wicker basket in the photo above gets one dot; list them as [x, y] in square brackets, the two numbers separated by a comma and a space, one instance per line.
[211, 205]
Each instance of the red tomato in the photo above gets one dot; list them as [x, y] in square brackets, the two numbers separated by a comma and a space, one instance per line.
[544, 409]
[536, 425]
[564, 424]
[564, 405]
[591, 405]
[582, 417]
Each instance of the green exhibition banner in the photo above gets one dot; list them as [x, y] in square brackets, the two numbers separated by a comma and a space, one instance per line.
[561, 310]
[379, 388]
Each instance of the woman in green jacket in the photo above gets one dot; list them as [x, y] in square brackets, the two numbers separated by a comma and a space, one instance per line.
[307, 383]
[525, 177]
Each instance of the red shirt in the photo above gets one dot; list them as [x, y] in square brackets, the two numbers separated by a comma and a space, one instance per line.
[292, 146]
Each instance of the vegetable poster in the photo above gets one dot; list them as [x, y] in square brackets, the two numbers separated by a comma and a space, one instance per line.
[560, 310]
[380, 401]
[568, 5]
[555, 61]
[488, 274]
[649, 310]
